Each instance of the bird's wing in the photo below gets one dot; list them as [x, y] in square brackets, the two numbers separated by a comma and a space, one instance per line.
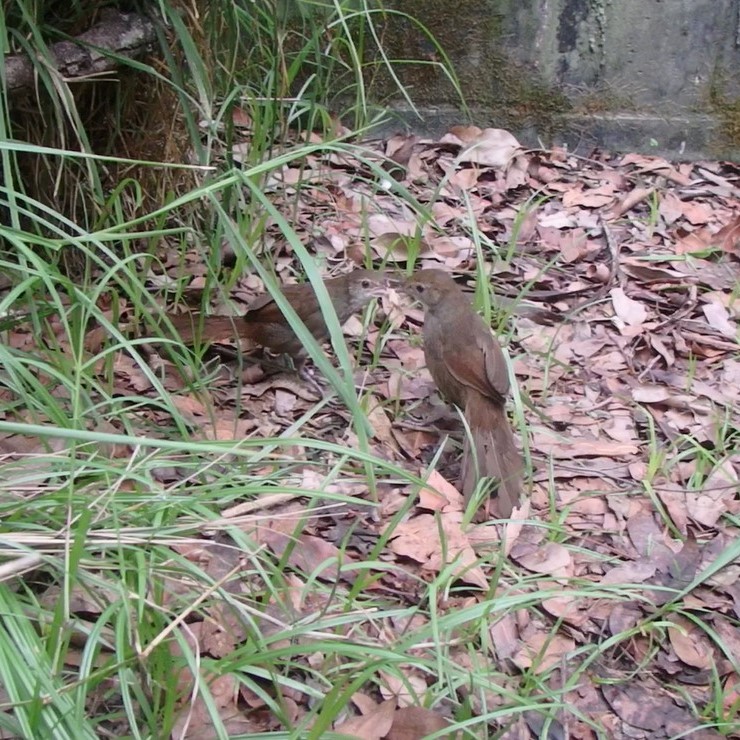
[478, 363]
[262, 308]
[495, 363]
[260, 301]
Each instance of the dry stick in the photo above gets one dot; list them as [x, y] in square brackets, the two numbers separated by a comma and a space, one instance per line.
[682, 313]
[19, 565]
[720, 181]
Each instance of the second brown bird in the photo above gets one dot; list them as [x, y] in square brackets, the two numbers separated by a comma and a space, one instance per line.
[468, 366]
[265, 325]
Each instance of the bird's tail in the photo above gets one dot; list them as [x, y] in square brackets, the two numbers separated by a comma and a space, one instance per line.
[490, 450]
[204, 329]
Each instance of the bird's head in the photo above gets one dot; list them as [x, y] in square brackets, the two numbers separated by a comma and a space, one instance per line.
[362, 286]
[430, 287]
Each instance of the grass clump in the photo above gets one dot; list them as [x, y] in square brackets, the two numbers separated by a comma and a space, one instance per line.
[111, 190]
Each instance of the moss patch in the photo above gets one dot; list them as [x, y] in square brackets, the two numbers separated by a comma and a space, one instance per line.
[728, 111]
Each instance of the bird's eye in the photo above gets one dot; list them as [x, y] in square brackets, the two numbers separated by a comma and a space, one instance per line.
[365, 283]
[419, 288]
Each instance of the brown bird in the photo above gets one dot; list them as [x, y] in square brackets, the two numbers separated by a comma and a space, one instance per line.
[468, 366]
[265, 325]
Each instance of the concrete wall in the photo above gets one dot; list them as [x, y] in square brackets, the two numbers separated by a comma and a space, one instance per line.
[646, 75]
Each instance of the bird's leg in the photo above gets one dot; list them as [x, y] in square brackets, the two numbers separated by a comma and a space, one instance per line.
[285, 363]
[306, 374]
[278, 363]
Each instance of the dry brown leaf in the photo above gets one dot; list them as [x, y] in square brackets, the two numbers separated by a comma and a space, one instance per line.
[227, 429]
[372, 724]
[543, 651]
[459, 551]
[663, 349]
[381, 423]
[694, 241]
[407, 690]
[394, 245]
[697, 213]
[419, 539]
[79, 598]
[309, 554]
[444, 214]
[194, 721]
[571, 609]
[566, 448]
[707, 506]
[403, 386]
[621, 428]
[20, 445]
[628, 202]
[731, 692]
[649, 541]
[718, 317]
[576, 246]
[707, 346]
[413, 538]
[285, 402]
[240, 117]
[462, 134]
[556, 220]
[637, 571]
[458, 247]
[379, 224]
[673, 497]
[589, 198]
[647, 273]
[439, 493]
[221, 632]
[728, 300]
[412, 442]
[512, 529]
[493, 147]
[516, 173]
[504, 636]
[651, 394]
[400, 147]
[630, 705]
[414, 722]
[728, 237]
[631, 312]
[690, 642]
[670, 207]
[553, 559]
[465, 179]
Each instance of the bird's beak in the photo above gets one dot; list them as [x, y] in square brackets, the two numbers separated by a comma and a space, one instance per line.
[394, 281]
[378, 290]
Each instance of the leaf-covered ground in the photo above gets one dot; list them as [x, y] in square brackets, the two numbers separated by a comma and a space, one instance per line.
[616, 284]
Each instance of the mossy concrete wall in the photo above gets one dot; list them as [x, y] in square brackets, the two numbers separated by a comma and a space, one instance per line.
[650, 75]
